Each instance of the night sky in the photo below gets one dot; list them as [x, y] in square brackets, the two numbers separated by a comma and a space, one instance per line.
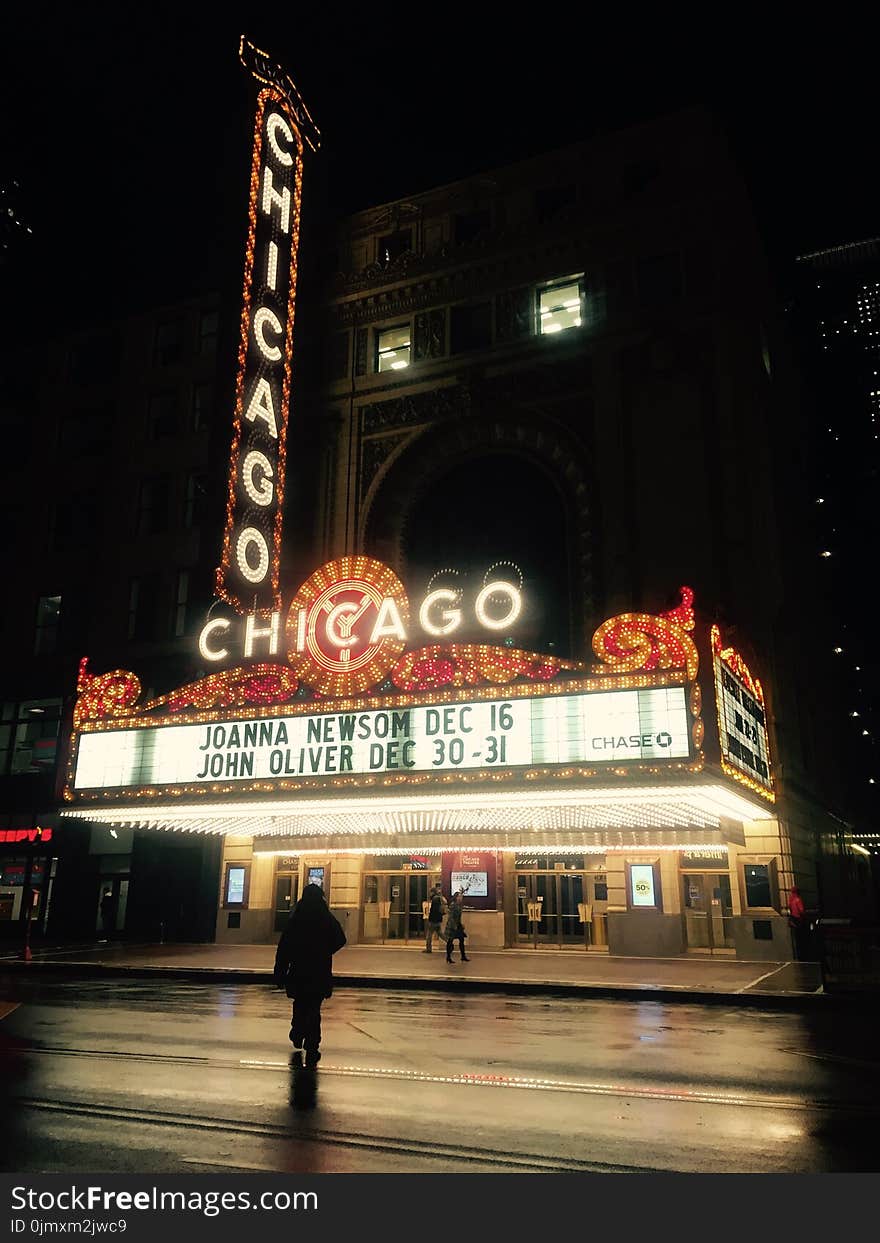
[129, 129]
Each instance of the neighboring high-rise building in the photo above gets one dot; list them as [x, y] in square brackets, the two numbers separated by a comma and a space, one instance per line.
[16, 229]
[836, 314]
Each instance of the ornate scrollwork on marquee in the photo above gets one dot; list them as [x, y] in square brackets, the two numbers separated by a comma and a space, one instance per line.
[257, 685]
[633, 641]
[104, 694]
[116, 694]
[470, 664]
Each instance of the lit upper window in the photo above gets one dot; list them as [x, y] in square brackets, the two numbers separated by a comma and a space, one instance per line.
[393, 348]
[559, 307]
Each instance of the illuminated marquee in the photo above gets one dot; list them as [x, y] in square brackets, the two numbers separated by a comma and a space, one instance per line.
[248, 572]
[459, 712]
[742, 720]
[348, 624]
[600, 727]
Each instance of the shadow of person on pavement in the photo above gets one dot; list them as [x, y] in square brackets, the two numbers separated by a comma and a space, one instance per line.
[303, 1084]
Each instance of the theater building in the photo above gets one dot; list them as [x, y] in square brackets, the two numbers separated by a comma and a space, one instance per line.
[614, 806]
[525, 629]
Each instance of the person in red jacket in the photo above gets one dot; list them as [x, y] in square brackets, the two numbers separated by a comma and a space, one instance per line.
[797, 918]
[796, 908]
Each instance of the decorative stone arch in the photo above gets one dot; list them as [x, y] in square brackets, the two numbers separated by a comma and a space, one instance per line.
[414, 466]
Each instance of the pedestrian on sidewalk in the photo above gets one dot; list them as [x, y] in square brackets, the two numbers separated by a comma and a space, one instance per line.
[454, 930]
[797, 919]
[304, 968]
[108, 914]
[436, 910]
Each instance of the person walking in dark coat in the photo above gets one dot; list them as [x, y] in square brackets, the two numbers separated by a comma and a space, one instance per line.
[434, 922]
[304, 967]
[454, 930]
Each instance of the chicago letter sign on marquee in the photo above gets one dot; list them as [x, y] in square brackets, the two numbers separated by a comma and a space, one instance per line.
[249, 568]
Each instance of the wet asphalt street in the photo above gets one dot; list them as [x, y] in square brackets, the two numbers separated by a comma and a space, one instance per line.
[172, 1076]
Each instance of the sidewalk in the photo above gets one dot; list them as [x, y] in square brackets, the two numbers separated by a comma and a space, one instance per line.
[570, 972]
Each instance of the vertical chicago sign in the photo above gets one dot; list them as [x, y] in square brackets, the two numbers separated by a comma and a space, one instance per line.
[248, 574]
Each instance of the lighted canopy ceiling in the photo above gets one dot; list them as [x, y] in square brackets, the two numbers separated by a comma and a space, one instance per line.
[691, 810]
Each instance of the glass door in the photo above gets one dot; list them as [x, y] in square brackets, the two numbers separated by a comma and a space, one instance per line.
[570, 894]
[112, 904]
[708, 911]
[547, 908]
[416, 895]
[395, 893]
[393, 906]
[286, 886]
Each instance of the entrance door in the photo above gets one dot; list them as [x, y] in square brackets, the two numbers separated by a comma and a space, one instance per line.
[286, 887]
[558, 895]
[112, 904]
[392, 908]
[416, 894]
[708, 911]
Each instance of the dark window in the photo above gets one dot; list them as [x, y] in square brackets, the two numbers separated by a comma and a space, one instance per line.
[619, 286]
[17, 432]
[95, 361]
[337, 356]
[762, 930]
[209, 322]
[637, 177]
[471, 327]
[551, 201]
[29, 735]
[759, 891]
[48, 622]
[393, 245]
[169, 343]
[162, 414]
[330, 263]
[143, 607]
[470, 225]
[152, 511]
[76, 525]
[202, 406]
[181, 600]
[196, 498]
[659, 279]
[15, 525]
[86, 431]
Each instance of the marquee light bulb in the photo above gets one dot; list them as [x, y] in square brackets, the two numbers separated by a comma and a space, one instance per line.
[206, 652]
[263, 493]
[250, 537]
[266, 316]
[450, 618]
[498, 588]
[274, 123]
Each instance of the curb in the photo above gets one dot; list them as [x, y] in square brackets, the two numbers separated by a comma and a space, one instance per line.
[458, 984]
